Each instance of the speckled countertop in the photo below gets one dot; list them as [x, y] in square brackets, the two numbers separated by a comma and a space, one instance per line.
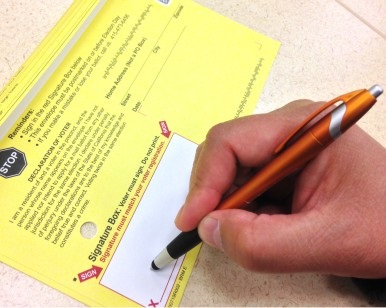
[328, 48]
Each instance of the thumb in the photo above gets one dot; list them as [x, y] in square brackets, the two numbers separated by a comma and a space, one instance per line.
[265, 243]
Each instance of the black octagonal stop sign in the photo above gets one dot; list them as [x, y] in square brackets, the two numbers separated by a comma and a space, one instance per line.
[12, 162]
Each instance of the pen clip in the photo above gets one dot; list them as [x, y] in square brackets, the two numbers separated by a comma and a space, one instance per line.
[345, 98]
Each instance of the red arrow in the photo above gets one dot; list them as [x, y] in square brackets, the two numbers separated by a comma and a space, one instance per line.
[165, 129]
[90, 273]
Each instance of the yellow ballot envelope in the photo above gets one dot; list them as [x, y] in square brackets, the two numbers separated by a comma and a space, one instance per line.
[99, 130]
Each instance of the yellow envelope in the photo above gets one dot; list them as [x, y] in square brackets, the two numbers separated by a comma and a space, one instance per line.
[99, 130]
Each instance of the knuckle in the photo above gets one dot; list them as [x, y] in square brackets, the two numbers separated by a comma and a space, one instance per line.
[216, 132]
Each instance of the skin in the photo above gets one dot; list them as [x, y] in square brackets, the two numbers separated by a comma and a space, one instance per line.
[328, 218]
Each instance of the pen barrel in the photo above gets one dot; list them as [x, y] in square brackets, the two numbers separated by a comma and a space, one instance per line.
[334, 124]
[290, 160]
[357, 107]
[305, 148]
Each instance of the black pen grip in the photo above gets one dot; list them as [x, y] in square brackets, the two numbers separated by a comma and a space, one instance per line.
[184, 242]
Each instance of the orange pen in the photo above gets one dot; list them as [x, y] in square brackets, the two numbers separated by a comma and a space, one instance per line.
[293, 153]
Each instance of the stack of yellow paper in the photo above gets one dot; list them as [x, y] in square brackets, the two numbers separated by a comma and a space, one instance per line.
[99, 128]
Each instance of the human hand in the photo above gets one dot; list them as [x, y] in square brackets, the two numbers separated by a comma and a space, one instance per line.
[337, 201]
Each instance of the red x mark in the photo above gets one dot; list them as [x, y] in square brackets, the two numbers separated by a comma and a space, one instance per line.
[152, 304]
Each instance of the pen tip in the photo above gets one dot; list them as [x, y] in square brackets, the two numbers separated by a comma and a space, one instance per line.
[154, 267]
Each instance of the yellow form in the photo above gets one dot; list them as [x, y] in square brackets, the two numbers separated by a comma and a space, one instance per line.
[99, 128]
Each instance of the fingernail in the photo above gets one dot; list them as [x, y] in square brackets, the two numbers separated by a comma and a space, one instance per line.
[179, 214]
[209, 231]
